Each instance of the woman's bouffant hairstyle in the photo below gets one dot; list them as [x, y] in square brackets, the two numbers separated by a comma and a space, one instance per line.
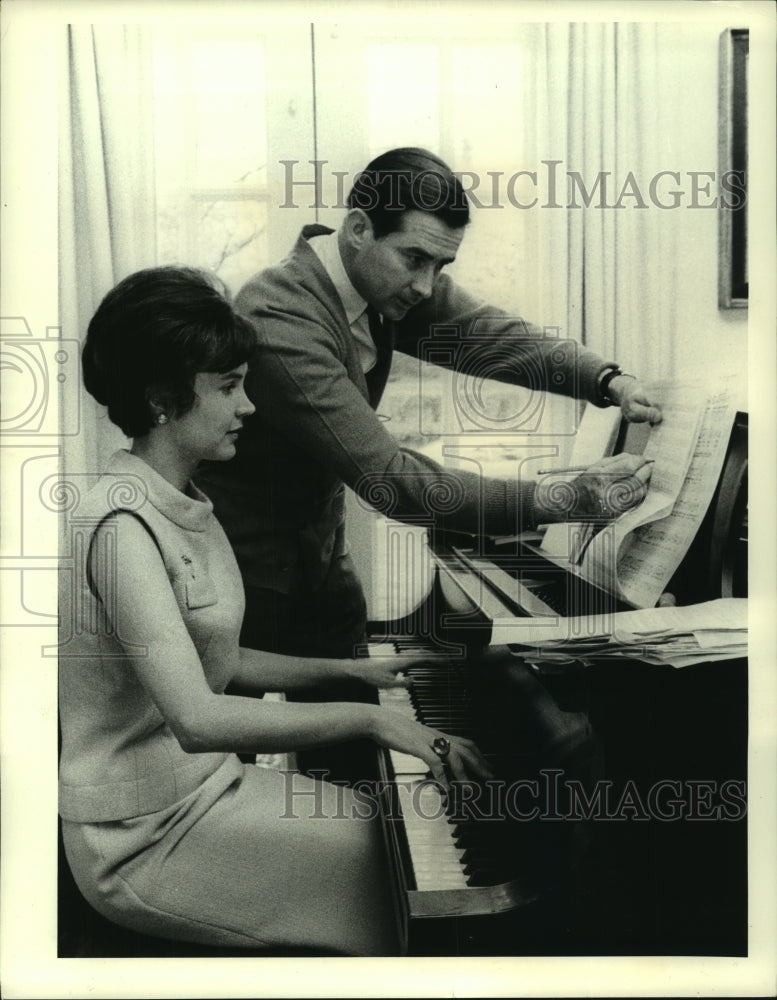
[151, 335]
[404, 179]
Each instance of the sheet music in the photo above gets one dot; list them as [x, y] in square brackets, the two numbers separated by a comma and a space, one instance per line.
[635, 557]
[595, 437]
[660, 546]
[670, 446]
[678, 636]
[714, 618]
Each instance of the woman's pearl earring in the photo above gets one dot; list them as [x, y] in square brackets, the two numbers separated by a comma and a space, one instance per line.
[162, 418]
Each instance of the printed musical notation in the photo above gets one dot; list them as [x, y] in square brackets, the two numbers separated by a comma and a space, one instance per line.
[636, 555]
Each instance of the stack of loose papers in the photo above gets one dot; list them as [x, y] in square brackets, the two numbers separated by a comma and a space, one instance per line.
[677, 636]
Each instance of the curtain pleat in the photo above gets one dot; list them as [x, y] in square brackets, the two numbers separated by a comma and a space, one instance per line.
[107, 225]
[594, 100]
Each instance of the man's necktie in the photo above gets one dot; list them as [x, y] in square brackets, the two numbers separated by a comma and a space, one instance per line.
[378, 374]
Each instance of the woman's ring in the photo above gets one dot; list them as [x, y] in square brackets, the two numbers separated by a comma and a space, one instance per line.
[441, 747]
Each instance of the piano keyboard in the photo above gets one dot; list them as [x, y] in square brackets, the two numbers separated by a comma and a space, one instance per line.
[437, 862]
[448, 866]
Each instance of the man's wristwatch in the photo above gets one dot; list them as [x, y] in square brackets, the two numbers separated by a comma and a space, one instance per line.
[605, 379]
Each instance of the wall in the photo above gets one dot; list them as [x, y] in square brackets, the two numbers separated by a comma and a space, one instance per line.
[709, 340]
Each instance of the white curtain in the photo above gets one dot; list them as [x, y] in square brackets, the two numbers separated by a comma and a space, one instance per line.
[595, 101]
[107, 224]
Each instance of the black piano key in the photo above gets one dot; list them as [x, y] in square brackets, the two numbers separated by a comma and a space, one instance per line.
[446, 696]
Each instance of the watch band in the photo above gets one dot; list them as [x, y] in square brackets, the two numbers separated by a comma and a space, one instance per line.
[604, 382]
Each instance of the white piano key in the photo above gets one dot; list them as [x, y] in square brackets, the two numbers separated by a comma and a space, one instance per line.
[437, 862]
[430, 837]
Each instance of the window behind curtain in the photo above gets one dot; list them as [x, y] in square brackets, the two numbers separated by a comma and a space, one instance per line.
[230, 103]
[460, 94]
[463, 94]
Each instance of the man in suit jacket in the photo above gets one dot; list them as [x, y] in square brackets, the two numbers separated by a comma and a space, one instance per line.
[327, 320]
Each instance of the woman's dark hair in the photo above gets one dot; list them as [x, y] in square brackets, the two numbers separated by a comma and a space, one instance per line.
[151, 335]
[408, 178]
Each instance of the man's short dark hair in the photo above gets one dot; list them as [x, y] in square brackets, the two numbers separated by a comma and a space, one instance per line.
[152, 334]
[404, 179]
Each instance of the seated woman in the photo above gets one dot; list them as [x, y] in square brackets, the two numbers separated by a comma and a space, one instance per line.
[165, 830]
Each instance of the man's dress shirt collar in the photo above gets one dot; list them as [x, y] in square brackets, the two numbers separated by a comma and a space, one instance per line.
[328, 252]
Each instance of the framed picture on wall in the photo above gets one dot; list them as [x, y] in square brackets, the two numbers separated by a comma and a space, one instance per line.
[732, 224]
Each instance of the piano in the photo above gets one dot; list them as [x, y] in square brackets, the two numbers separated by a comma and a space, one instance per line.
[471, 880]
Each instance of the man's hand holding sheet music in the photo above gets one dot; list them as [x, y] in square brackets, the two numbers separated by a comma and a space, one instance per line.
[634, 554]
[604, 491]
